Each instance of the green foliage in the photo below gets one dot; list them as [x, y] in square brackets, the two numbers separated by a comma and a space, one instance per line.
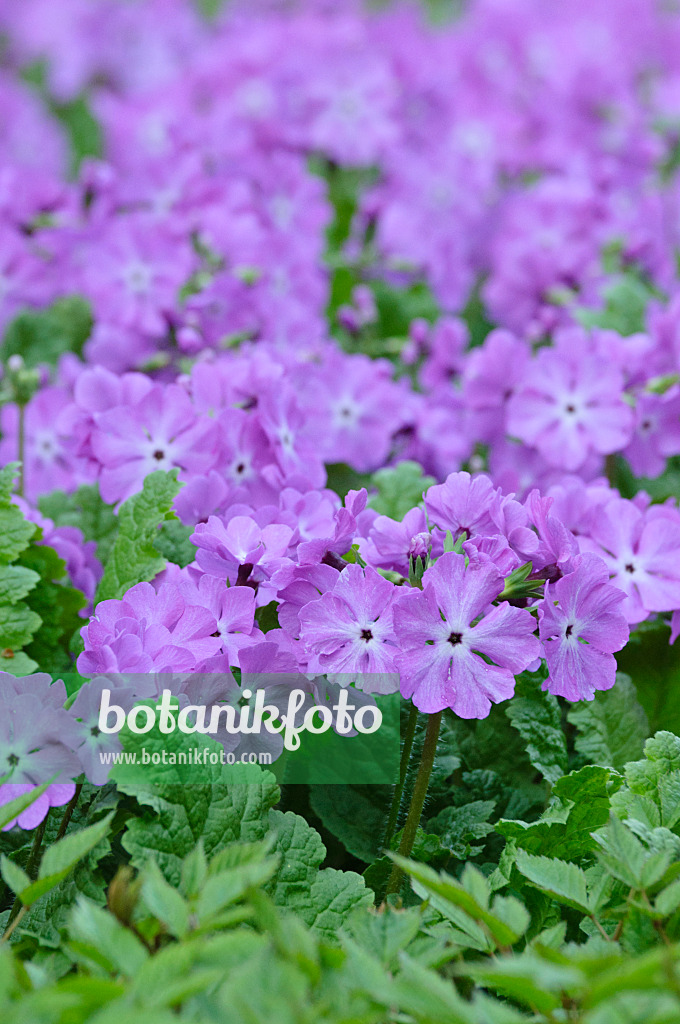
[85, 509]
[613, 727]
[536, 716]
[399, 489]
[232, 915]
[134, 557]
[42, 336]
[38, 606]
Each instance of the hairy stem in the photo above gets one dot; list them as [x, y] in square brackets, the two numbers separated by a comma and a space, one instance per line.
[70, 808]
[415, 810]
[403, 768]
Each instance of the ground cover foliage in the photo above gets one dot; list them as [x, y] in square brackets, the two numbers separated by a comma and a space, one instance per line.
[340, 342]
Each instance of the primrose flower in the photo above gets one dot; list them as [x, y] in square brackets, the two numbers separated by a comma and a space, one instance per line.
[458, 651]
[581, 626]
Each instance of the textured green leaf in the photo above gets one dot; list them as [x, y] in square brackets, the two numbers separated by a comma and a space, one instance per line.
[229, 803]
[323, 899]
[536, 716]
[356, 815]
[17, 625]
[583, 801]
[15, 532]
[560, 879]
[460, 828]
[612, 727]
[58, 604]
[173, 542]
[134, 557]
[16, 581]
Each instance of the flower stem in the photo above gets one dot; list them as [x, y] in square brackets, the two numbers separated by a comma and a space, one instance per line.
[21, 449]
[403, 767]
[31, 871]
[415, 810]
[70, 808]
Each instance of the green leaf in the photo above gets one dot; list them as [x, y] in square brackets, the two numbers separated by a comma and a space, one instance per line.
[399, 489]
[561, 880]
[96, 935]
[17, 625]
[16, 877]
[356, 815]
[654, 667]
[57, 603]
[536, 716]
[134, 557]
[582, 805]
[15, 532]
[60, 859]
[386, 933]
[626, 301]
[173, 542]
[527, 979]
[8, 477]
[164, 902]
[622, 853]
[652, 793]
[43, 336]
[460, 828]
[613, 727]
[230, 803]
[427, 997]
[16, 581]
[668, 900]
[18, 663]
[86, 510]
[323, 899]
[230, 885]
[505, 920]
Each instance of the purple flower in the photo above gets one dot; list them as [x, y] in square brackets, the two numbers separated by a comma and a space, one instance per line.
[657, 433]
[462, 504]
[56, 795]
[349, 629]
[161, 431]
[571, 403]
[390, 545]
[581, 626]
[642, 552]
[448, 630]
[49, 463]
[233, 609]
[148, 631]
[38, 739]
[241, 551]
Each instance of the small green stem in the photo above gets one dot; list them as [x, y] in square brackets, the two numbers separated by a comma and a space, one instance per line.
[403, 768]
[12, 925]
[21, 449]
[31, 865]
[415, 810]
